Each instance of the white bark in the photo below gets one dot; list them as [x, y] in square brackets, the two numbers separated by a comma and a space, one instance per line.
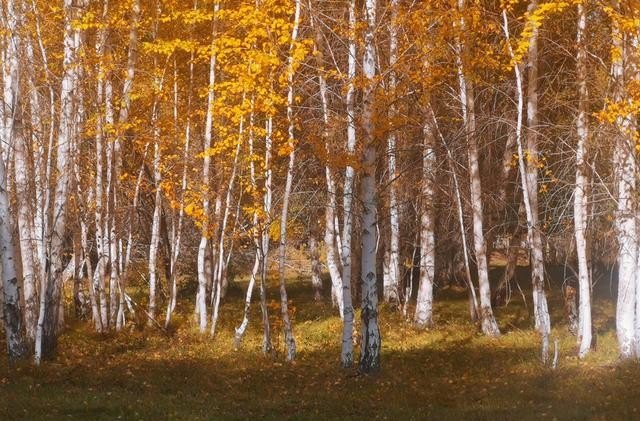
[155, 228]
[201, 298]
[625, 169]
[541, 312]
[330, 227]
[473, 299]
[267, 347]
[289, 340]
[314, 256]
[347, 190]
[101, 267]
[25, 227]
[488, 322]
[392, 284]
[371, 340]
[221, 262]
[240, 330]
[12, 311]
[177, 237]
[424, 302]
[46, 335]
[580, 198]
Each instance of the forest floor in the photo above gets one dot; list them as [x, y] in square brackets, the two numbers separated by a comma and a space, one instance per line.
[448, 373]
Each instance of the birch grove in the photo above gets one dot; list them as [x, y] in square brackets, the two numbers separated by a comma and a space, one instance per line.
[211, 156]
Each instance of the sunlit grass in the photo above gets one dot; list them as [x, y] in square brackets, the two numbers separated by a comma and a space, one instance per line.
[450, 372]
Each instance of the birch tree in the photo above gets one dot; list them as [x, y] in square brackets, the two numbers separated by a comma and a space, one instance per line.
[46, 334]
[392, 282]
[371, 341]
[467, 101]
[12, 135]
[580, 199]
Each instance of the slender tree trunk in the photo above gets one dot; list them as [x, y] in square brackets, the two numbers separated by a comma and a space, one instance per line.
[12, 311]
[177, 238]
[11, 136]
[424, 303]
[473, 300]
[289, 340]
[157, 180]
[267, 347]
[221, 263]
[580, 199]
[371, 341]
[541, 311]
[348, 193]
[625, 171]
[391, 287]
[25, 231]
[201, 297]
[316, 281]
[240, 330]
[46, 334]
[155, 228]
[488, 321]
[330, 232]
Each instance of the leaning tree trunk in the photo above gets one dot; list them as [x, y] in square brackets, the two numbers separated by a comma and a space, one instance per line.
[528, 176]
[371, 341]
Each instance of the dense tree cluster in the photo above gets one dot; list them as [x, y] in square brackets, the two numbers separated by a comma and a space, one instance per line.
[143, 140]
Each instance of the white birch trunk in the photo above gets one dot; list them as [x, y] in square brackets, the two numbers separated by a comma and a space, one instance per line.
[221, 262]
[25, 227]
[625, 169]
[541, 312]
[267, 347]
[177, 237]
[155, 227]
[46, 335]
[392, 284]
[580, 199]
[424, 302]
[240, 330]
[347, 203]
[201, 297]
[12, 311]
[314, 256]
[473, 299]
[371, 340]
[488, 322]
[331, 228]
[289, 340]
[101, 267]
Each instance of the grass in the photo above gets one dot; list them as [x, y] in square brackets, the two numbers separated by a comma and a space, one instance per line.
[448, 373]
